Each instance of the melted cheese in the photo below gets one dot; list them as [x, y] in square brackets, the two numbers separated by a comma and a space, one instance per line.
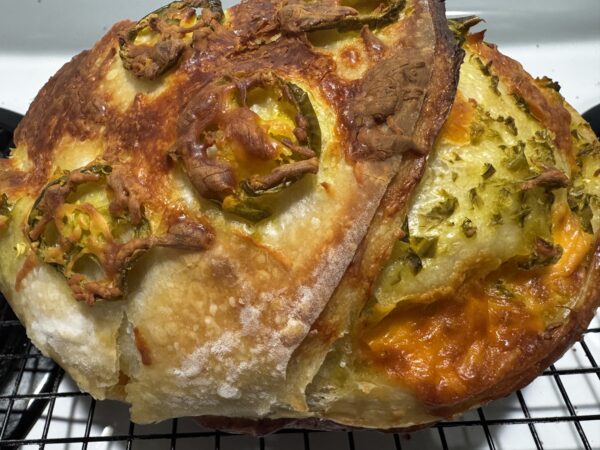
[461, 342]
[470, 203]
[463, 316]
[454, 347]
[346, 48]
[456, 128]
[576, 243]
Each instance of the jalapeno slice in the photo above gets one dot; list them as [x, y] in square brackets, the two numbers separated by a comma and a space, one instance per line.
[156, 42]
[244, 140]
[300, 16]
[73, 226]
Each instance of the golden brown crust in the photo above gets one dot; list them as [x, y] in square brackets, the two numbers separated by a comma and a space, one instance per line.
[67, 104]
[549, 111]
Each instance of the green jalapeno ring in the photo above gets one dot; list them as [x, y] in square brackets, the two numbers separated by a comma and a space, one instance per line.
[151, 61]
[247, 195]
[73, 251]
[248, 202]
[97, 237]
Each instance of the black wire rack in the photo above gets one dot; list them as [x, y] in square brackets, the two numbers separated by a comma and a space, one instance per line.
[36, 389]
[32, 387]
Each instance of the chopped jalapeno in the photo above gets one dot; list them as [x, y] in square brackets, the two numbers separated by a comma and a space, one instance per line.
[580, 203]
[468, 228]
[444, 209]
[425, 247]
[521, 103]
[516, 159]
[545, 253]
[549, 83]
[497, 219]
[474, 197]
[461, 26]
[489, 171]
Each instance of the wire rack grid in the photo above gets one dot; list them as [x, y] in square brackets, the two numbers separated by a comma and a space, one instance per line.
[36, 387]
[559, 410]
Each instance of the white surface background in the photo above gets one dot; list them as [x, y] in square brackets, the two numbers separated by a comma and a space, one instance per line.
[557, 38]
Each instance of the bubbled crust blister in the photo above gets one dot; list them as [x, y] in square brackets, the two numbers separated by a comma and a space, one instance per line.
[208, 330]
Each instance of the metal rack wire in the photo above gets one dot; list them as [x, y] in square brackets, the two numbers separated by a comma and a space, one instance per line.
[20, 398]
[30, 387]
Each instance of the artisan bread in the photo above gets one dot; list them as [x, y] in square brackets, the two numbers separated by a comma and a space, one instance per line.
[294, 214]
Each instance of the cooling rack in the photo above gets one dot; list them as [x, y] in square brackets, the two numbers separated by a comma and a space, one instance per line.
[520, 421]
[559, 410]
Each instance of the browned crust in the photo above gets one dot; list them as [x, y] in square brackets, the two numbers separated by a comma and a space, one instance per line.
[66, 105]
[30, 263]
